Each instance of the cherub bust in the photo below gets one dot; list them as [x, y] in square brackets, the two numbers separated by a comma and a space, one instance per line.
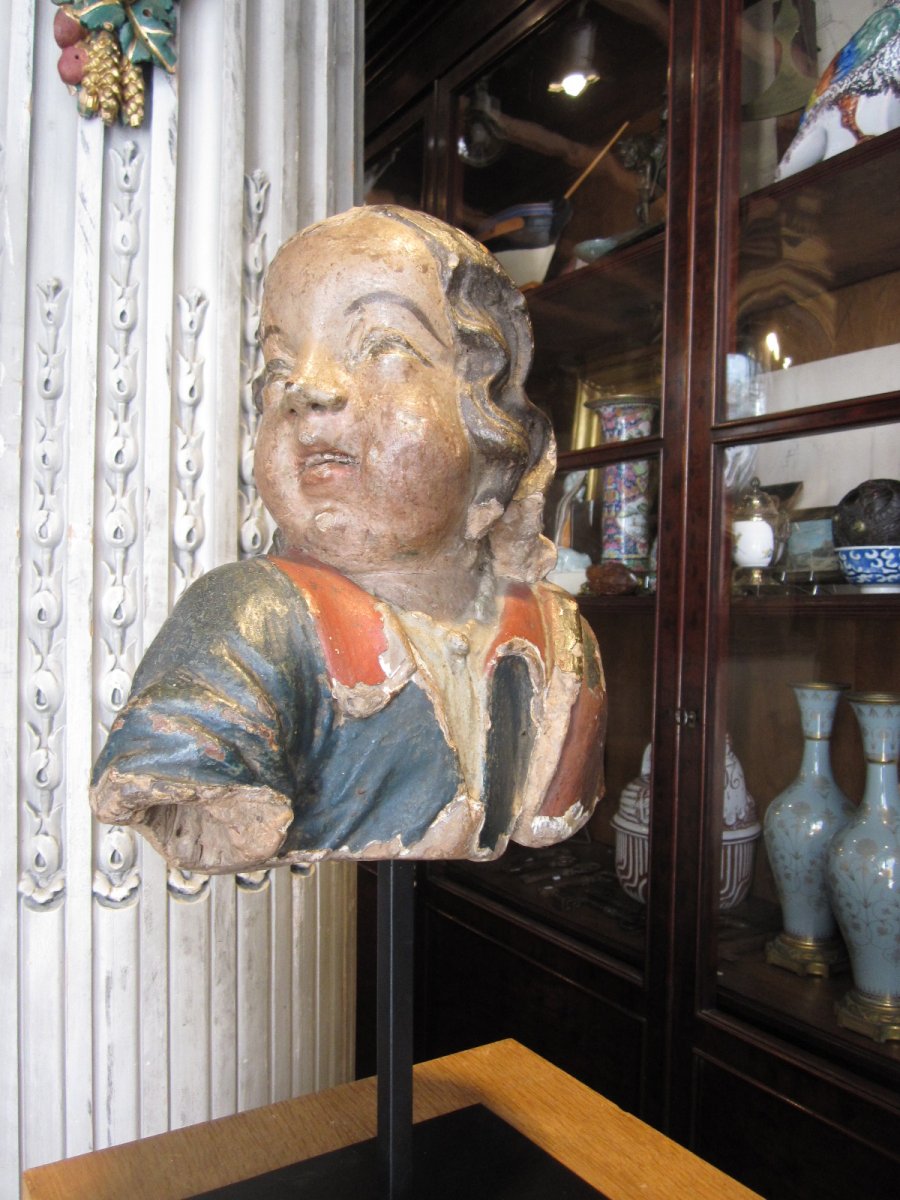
[395, 680]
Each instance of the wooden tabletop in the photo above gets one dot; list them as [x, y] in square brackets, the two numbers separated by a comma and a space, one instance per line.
[612, 1150]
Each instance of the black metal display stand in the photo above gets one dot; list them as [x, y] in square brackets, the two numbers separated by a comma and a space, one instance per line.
[470, 1153]
[394, 1014]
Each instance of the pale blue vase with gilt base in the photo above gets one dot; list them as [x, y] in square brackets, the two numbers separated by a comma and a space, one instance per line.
[864, 876]
[799, 826]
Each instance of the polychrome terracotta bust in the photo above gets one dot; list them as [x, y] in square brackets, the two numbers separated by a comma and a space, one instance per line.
[394, 681]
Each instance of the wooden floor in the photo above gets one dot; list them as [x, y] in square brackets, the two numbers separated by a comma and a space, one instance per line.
[613, 1151]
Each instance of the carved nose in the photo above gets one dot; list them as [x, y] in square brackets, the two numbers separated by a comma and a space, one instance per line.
[314, 397]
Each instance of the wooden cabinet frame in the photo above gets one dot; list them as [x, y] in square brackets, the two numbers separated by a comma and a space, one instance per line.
[698, 1047]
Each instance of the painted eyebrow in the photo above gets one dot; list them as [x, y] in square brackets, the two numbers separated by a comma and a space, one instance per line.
[274, 364]
[403, 302]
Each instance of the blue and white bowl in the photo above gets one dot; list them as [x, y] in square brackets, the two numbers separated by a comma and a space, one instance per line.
[870, 564]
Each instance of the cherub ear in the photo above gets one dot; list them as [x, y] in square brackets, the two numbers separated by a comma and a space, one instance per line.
[519, 549]
[483, 515]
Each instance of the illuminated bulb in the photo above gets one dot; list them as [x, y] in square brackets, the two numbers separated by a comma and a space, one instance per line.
[772, 345]
[573, 85]
[580, 61]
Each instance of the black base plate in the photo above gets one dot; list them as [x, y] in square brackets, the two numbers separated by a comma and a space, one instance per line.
[470, 1154]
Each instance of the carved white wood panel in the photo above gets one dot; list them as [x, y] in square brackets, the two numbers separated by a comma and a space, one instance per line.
[134, 998]
[15, 134]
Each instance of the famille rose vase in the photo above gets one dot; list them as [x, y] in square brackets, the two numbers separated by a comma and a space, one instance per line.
[628, 487]
[799, 825]
[864, 876]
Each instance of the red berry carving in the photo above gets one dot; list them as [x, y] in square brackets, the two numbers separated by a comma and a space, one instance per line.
[67, 29]
[73, 63]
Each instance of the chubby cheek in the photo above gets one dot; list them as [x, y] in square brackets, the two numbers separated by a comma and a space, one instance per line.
[275, 469]
[420, 472]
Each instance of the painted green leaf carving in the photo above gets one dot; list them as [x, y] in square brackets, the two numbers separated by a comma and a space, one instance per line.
[99, 14]
[148, 35]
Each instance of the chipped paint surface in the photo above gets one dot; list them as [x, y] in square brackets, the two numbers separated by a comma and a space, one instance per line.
[262, 731]
[398, 679]
[547, 831]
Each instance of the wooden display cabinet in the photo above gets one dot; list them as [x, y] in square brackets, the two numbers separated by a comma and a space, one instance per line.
[717, 279]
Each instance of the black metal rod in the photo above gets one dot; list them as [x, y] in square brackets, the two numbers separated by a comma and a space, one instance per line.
[395, 1033]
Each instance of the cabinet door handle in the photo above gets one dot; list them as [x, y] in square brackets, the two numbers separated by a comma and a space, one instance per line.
[686, 717]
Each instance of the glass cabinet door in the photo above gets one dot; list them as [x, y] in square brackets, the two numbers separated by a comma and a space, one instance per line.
[817, 283]
[557, 163]
[559, 143]
[396, 164]
[808, 466]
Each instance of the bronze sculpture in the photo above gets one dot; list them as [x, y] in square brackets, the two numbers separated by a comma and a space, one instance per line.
[395, 681]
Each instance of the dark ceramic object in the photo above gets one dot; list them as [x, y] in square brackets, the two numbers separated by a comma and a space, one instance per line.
[869, 515]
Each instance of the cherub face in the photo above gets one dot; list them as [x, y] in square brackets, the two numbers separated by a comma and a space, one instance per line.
[362, 456]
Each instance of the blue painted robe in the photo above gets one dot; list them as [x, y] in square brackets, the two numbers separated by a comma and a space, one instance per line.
[281, 715]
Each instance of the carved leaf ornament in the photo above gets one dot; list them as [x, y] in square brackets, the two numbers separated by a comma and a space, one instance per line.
[105, 45]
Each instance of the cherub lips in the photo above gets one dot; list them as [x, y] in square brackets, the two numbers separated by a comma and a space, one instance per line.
[322, 463]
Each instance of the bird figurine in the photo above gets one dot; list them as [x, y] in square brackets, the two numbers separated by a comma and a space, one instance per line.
[857, 96]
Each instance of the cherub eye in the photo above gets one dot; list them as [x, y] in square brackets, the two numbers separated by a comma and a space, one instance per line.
[379, 343]
[257, 387]
[269, 386]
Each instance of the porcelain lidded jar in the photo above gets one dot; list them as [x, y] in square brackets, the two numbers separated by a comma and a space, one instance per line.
[740, 832]
[631, 823]
[864, 876]
[799, 826]
[759, 532]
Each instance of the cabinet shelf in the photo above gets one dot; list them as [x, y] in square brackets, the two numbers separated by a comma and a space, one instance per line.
[838, 605]
[607, 307]
[826, 228]
[640, 604]
[609, 452]
[571, 889]
[829, 227]
[801, 1009]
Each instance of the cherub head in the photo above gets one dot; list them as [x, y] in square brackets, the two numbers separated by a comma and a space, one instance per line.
[396, 436]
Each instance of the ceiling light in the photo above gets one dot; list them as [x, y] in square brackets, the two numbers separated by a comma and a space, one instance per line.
[579, 65]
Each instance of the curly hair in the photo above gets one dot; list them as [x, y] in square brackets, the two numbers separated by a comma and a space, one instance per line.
[511, 436]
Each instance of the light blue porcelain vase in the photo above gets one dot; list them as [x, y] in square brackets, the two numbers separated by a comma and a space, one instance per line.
[799, 825]
[864, 876]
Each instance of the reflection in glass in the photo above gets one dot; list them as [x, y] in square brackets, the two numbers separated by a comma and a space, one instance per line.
[397, 175]
[568, 190]
[787, 642]
[818, 275]
[546, 166]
